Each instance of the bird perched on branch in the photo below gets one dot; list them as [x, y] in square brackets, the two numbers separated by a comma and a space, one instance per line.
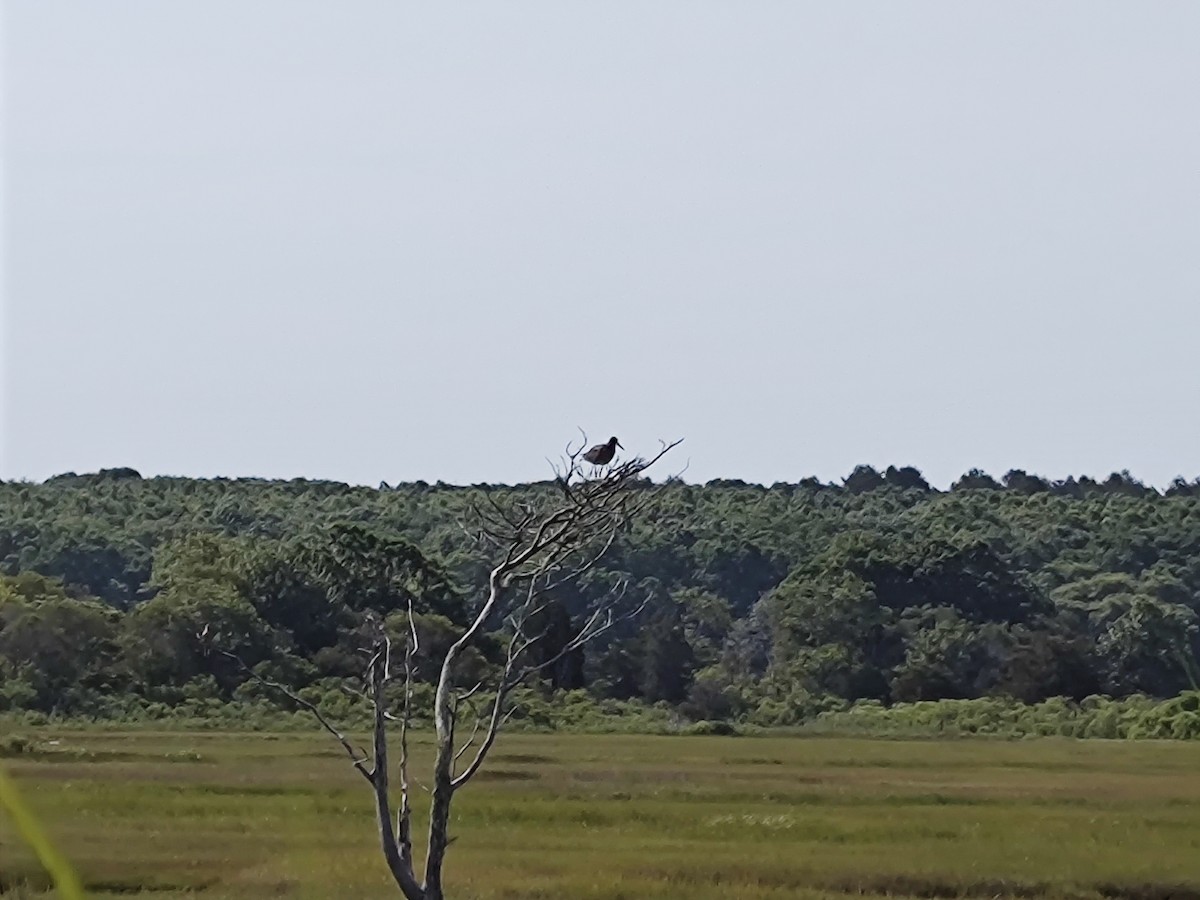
[602, 454]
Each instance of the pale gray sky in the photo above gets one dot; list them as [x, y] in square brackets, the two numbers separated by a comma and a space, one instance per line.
[380, 240]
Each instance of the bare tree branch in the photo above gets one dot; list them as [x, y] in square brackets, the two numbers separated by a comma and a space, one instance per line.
[360, 762]
[404, 816]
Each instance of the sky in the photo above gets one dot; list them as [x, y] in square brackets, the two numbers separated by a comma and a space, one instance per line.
[371, 241]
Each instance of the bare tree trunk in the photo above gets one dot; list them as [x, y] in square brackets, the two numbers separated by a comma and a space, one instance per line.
[400, 867]
[439, 829]
[443, 788]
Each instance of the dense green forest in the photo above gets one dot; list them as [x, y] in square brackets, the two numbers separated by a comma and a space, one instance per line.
[767, 605]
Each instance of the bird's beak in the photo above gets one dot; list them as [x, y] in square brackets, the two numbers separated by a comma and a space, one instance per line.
[619, 444]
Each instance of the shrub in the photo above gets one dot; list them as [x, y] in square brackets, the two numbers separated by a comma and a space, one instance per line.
[1093, 717]
[16, 745]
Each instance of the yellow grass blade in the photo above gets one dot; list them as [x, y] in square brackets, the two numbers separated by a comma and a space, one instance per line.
[65, 879]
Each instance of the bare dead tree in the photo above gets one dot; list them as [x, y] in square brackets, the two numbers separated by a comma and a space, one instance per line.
[536, 546]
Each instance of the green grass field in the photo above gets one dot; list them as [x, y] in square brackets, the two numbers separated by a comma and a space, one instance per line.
[575, 816]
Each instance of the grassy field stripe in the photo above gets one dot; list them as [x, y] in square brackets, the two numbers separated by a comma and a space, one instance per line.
[65, 880]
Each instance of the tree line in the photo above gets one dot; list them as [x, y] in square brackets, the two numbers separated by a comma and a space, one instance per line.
[766, 604]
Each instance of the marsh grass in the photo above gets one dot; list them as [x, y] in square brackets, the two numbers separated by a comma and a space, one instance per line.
[616, 816]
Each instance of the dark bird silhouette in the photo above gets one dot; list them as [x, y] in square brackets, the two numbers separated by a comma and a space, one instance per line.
[602, 454]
